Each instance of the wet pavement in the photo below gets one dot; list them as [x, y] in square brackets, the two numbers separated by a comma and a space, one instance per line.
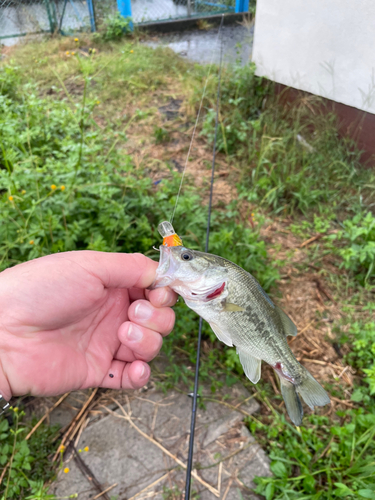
[203, 46]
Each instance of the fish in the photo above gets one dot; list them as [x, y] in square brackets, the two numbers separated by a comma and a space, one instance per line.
[241, 314]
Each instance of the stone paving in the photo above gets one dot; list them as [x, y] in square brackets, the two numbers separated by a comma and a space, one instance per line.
[141, 447]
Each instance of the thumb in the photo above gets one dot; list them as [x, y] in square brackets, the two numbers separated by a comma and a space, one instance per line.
[117, 270]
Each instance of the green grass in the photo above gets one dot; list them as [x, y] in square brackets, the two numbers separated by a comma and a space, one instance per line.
[291, 156]
[69, 182]
[26, 463]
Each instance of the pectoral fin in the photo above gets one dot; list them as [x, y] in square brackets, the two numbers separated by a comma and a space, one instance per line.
[289, 327]
[232, 307]
[251, 365]
[222, 336]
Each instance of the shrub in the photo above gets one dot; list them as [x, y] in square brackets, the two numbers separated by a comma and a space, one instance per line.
[359, 254]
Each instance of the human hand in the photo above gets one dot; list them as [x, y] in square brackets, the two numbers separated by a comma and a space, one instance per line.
[80, 319]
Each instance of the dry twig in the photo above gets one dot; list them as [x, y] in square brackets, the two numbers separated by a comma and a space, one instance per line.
[311, 240]
[228, 488]
[105, 491]
[46, 415]
[75, 424]
[149, 486]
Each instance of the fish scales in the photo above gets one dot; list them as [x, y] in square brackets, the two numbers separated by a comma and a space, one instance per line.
[257, 326]
[241, 314]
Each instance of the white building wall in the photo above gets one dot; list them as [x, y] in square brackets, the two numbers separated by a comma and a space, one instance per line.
[326, 47]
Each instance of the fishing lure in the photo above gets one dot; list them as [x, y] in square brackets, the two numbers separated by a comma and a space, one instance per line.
[169, 235]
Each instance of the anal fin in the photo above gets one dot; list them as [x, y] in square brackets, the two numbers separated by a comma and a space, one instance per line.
[292, 401]
[289, 327]
[251, 365]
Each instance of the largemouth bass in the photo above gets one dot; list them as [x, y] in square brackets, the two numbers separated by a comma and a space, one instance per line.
[241, 314]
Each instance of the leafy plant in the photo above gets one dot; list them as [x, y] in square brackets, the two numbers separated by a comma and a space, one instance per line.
[359, 255]
[161, 135]
[319, 460]
[24, 463]
[362, 337]
[116, 27]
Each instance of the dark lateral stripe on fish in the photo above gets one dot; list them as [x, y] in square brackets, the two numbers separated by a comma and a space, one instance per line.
[216, 292]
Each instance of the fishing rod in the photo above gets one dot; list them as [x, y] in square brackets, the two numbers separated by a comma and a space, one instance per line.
[195, 392]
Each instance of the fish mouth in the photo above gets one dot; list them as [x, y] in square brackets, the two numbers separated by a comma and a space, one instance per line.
[166, 269]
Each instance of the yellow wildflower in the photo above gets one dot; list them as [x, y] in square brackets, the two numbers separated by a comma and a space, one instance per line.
[15, 409]
[76, 40]
[80, 451]
[67, 52]
[66, 470]
[86, 448]
[23, 191]
[31, 242]
[10, 198]
[53, 187]
[62, 188]
[131, 51]
[97, 102]
[73, 53]
[62, 448]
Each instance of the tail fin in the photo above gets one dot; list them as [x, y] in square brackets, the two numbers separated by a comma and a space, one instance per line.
[292, 401]
[312, 392]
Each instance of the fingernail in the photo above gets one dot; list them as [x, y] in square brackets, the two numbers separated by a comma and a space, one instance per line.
[145, 372]
[134, 333]
[143, 310]
[164, 299]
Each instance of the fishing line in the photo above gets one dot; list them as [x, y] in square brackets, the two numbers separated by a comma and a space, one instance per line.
[196, 121]
[195, 393]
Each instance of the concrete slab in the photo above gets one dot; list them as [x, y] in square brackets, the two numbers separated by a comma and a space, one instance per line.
[143, 458]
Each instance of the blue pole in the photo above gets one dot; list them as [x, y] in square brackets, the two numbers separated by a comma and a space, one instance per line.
[125, 9]
[242, 6]
[92, 15]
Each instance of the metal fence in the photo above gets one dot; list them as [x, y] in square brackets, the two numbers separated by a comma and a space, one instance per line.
[21, 17]
[143, 11]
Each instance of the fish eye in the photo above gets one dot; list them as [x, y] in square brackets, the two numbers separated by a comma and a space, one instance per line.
[186, 256]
